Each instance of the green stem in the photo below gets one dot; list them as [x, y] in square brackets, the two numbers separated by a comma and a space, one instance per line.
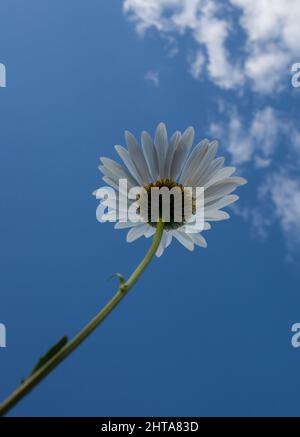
[42, 372]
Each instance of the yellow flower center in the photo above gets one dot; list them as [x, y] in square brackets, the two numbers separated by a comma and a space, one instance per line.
[167, 200]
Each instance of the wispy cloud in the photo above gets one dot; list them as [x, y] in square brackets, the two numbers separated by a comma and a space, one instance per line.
[254, 141]
[262, 59]
[152, 77]
[197, 63]
[268, 146]
[283, 190]
[277, 202]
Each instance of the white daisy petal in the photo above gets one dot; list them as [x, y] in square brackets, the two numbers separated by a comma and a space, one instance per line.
[238, 180]
[150, 231]
[222, 188]
[162, 245]
[136, 232]
[216, 215]
[110, 182]
[169, 239]
[184, 239]
[218, 191]
[208, 157]
[194, 226]
[125, 156]
[161, 145]
[150, 155]
[181, 153]
[137, 156]
[223, 173]
[118, 170]
[125, 225]
[206, 165]
[115, 178]
[224, 201]
[175, 138]
[199, 240]
[214, 167]
[190, 169]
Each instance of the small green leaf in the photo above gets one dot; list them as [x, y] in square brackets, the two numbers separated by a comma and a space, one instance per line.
[121, 278]
[50, 354]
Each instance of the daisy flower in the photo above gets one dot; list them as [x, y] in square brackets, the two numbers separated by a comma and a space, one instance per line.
[159, 164]
[170, 163]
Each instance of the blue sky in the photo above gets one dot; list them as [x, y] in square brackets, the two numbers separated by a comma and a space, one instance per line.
[202, 333]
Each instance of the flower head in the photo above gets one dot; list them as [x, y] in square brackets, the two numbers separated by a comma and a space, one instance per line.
[173, 164]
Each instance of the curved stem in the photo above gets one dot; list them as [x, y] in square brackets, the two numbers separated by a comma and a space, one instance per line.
[42, 372]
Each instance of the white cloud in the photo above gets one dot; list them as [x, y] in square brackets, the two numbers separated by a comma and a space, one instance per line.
[152, 77]
[256, 141]
[268, 21]
[259, 222]
[295, 138]
[261, 162]
[285, 193]
[264, 130]
[271, 30]
[269, 142]
[278, 201]
[197, 61]
[234, 138]
[267, 68]
[283, 190]
[149, 13]
[212, 32]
